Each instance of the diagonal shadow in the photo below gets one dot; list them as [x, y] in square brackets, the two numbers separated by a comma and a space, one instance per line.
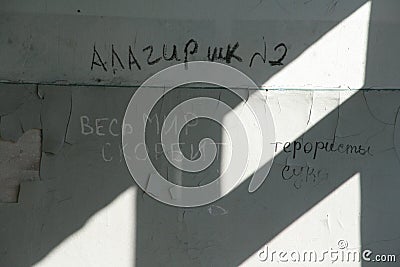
[253, 219]
[172, 237]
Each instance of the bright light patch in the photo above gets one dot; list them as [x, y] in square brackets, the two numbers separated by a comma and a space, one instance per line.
[336, 60]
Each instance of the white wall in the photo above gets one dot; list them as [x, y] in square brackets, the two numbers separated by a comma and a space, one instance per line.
[87, 210]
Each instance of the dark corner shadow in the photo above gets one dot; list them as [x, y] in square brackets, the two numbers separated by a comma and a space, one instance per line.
[77, 183]
[380, 180]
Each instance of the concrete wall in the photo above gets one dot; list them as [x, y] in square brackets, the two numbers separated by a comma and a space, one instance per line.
[69, 66]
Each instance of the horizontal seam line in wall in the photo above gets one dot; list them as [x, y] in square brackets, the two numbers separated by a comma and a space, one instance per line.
[195, 87]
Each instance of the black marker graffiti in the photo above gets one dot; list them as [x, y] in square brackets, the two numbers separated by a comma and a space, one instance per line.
[303, 175]
[193, 51]
[95, 62]
[218, 53]
[279, 61]
[132, 60]
[113, 56]
[314, 148]
[224, 54]
[149, 61]
[174, 53]
[230, 53]
[263, 56]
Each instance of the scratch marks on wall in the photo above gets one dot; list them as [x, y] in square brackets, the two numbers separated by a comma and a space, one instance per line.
[396, 135]
[19, 106]
[216, 210]
[19, 146]
[55, 112]
[19, 162]
[46, 110]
